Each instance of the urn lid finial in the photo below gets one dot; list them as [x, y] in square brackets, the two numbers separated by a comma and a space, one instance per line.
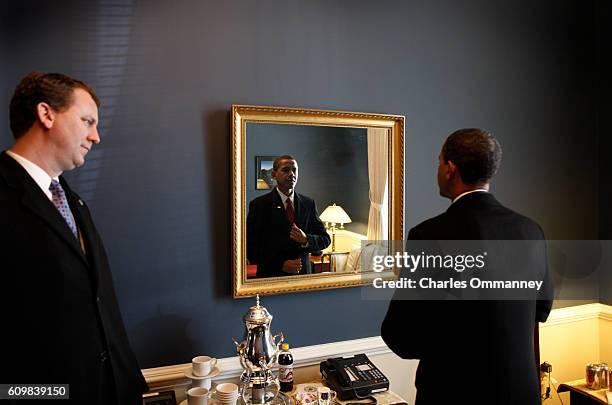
[257, 314]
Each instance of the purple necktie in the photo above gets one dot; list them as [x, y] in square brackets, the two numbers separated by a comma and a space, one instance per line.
[61, 203]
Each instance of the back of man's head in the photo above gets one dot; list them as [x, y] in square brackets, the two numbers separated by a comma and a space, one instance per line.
[54, 89]
[476, 154]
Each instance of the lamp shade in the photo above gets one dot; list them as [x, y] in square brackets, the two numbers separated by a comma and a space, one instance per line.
[335, 214]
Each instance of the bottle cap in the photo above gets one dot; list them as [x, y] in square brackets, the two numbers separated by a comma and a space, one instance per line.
[285, 346]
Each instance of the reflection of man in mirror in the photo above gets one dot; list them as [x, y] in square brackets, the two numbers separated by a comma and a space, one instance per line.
[283, 227]
[488, 343]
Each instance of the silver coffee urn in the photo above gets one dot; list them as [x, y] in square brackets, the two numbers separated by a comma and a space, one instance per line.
[258, 352]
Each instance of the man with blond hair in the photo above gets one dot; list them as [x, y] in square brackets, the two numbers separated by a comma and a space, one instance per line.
[62, 323]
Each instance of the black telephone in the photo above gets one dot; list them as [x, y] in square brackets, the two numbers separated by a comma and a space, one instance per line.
[353, 377]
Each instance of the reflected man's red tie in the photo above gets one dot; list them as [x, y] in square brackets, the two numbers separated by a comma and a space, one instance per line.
[290, 212]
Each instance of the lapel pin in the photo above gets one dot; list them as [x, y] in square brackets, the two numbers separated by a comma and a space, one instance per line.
[81, 203]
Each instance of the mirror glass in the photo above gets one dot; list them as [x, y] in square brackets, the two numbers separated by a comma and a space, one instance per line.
[346, 194]
[332, 168]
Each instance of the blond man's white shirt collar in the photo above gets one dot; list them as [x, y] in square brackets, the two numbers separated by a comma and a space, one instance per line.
[469, 192]
[36, 173]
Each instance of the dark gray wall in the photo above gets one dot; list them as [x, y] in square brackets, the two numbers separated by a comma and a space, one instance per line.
[332, 163]
[601, 86]
[168, 71]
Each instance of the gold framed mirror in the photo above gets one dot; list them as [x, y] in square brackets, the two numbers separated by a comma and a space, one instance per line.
[342, 181]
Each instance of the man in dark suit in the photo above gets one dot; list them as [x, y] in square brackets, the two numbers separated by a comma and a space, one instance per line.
[61, 320]
[471, 352]
[283, 227]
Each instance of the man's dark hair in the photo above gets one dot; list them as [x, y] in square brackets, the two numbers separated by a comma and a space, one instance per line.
[278, 160]
[54, 89]
[475, 152]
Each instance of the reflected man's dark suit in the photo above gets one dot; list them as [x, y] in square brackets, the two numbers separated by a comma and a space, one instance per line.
[471, 352]
[268, 242]
[61, 321]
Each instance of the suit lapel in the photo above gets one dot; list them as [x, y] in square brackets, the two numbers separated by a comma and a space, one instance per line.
[86, 229]
[36, 201]
[299, 211]
[277, 207]
[275, 199]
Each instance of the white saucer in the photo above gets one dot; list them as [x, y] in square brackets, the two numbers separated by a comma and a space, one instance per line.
[211, 401]
[215, 372]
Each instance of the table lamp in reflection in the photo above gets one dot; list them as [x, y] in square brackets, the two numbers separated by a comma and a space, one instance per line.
[334, 214]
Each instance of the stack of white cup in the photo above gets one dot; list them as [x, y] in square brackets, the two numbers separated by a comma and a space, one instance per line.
[226, 393]
[197, 396]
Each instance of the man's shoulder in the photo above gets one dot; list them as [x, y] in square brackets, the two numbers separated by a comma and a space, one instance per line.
[528, 226]
[502, 214]
[8, 166]
[480, 217]
[263, 199]
[430, 227]
[12, 175]
[304, 198]
[520, 217]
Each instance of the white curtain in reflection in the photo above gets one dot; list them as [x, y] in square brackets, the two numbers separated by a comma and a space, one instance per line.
[377, 173]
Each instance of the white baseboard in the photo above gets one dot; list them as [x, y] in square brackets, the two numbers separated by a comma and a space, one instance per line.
[168, 377]
[578, 313]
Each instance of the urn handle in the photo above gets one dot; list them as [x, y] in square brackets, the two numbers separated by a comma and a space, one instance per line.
[239, 346]
[282, 339]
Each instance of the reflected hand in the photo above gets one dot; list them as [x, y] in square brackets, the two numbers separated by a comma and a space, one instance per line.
[293, 266]
[298, 235]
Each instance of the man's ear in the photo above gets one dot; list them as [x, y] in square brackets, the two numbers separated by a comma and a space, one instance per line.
[452, 170]
[45, 115]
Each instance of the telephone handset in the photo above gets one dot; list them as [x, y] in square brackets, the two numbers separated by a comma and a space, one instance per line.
[353, 377]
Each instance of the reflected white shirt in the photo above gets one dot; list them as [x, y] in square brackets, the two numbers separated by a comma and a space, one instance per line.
[284, 198]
